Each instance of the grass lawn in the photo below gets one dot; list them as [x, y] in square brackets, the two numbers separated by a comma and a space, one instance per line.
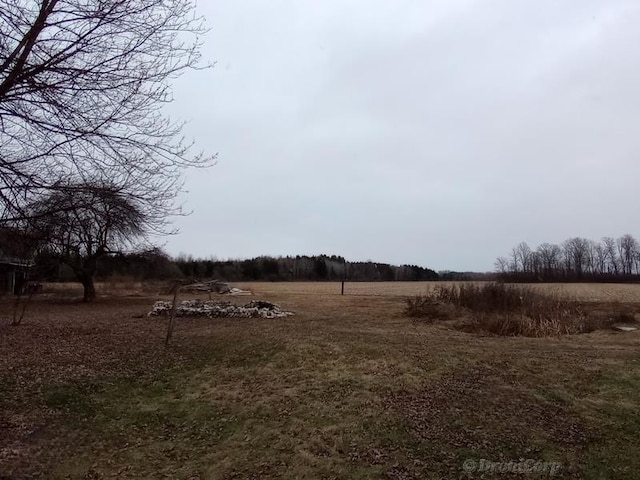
[346, 388]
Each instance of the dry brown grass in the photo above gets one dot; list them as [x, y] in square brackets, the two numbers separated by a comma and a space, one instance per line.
[347, 388]
[588, 292]
[507, 310]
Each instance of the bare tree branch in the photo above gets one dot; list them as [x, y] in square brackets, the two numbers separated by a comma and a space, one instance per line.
[82, 86]
[81, 223]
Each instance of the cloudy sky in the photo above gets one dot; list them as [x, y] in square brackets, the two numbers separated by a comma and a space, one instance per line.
[439, 133]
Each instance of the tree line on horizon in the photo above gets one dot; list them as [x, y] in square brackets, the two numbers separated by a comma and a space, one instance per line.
[155, 264]
[575, 259]
[300, 268]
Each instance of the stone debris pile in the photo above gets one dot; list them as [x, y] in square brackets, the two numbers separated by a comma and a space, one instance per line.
[214, 309]
[213, 286]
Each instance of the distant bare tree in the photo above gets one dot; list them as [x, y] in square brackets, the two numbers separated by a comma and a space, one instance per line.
[514, 263]
[609, 245]
[577, 259]
[535, 261]
[83, 223]
[576, 251]
[627, 250]
[523, 255]
[502, 265]
[591, 263]
[550, 256]
[82, 84]
[600, 258]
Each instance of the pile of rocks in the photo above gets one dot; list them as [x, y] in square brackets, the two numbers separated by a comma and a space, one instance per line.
[213, 309]
[213, 286]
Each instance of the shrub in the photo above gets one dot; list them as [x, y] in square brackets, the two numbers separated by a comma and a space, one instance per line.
[426, 307]
[512, 310]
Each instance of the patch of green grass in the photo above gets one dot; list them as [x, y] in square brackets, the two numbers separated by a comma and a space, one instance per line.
[75, 399]
[556, 395]
[243, 353]
[391, 431]
[138, 423]
[613, 409]
[154, 402]
[616, 383]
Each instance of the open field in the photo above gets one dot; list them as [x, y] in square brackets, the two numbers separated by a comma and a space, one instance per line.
[347, 388]
[588, 292]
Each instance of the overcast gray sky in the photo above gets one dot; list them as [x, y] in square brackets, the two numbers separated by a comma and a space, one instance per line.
[439, 133]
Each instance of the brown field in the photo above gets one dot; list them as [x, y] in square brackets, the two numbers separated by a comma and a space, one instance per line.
[588, 292]
[347, 388]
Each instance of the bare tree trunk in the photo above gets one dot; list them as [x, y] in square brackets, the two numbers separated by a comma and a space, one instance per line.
[89, 288]
[19, 307]
[172, 315]
[85, 272]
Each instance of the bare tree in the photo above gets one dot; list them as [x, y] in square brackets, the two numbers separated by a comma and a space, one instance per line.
[609, 245]
[550, 256]
[523, 255]
[502, 265]
[591, 263]
[514, 263]
[83, 223]
[627, 249]
[535, 262]
[82, 84]
[576, 251]
[600, 258]
[577, 259]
